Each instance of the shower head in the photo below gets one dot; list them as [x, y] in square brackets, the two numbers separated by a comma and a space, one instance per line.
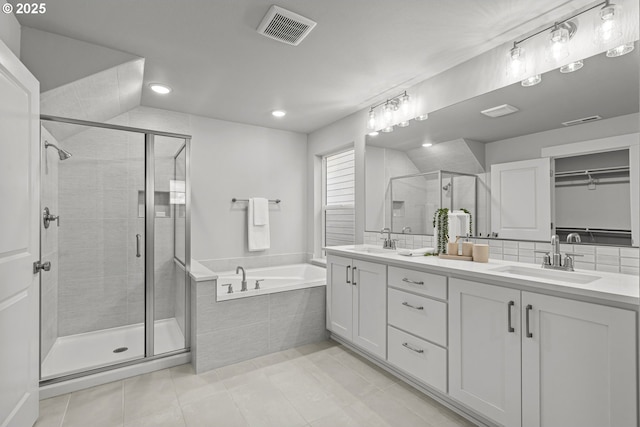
[63, 154]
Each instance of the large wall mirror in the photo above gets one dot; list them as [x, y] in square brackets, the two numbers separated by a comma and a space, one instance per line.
[403, 177]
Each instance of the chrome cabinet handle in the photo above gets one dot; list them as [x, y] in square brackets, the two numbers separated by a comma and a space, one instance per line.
[417, 350]
[509, 327]
[348, 268]
[528, 309]
[411, 281]
[230, 289]
[353, 279]
[406, 304]
[138, 236]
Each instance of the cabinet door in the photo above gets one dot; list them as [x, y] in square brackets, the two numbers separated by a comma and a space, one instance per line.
[521, 199]
[578, 367]
[370, 307]
[484, 354]
[340, 296]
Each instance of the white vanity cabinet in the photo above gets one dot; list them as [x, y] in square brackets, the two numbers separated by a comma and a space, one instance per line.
[357, 303]
[526, 359]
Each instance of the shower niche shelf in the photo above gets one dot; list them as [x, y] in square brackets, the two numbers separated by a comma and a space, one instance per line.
[163, 205]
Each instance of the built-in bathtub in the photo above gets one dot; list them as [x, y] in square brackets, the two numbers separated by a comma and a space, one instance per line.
[288, 311]
[272, 279]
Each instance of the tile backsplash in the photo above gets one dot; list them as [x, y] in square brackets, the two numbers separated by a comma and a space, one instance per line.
[612, 259]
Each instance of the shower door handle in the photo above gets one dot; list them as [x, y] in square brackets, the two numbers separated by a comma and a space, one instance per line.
[138, 236]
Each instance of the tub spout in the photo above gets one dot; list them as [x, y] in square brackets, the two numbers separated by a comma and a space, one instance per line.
[244, 278]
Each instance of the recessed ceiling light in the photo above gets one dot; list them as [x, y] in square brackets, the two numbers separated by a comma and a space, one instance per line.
[374, 133]
[427, 144]
[499, 111]
[160, 88]
[279, 113]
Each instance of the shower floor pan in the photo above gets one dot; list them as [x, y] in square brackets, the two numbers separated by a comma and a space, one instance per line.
[90, 350]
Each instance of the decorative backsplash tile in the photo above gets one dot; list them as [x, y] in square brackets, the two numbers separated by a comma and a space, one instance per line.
[597, 258]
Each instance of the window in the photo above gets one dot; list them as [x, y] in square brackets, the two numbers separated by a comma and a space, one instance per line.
[339, 199]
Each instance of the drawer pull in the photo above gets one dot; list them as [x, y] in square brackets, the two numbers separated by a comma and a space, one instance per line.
[509, 327]
[406, 304]
[528, 308]
[411, 281]
[417, 350]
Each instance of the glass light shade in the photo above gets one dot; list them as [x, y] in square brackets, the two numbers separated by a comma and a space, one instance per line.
[387, 115]
[571, 67]
[558, 47]
[608, 27]
[517, 62]
[620, 50]
[531, 81]
[371, 121]
[422, 117]
[388, 129]
[403, 124]
[374, 133]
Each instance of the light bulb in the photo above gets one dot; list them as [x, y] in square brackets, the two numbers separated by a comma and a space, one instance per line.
[387, 114]
[517, 64]
[620, 50]
[405, 106]
[558, 44]
[532, 81]
[608, 26]
[571, 67]
[371, 123]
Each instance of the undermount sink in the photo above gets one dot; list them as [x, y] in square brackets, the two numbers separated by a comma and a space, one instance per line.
[540, 273]
[371, 250]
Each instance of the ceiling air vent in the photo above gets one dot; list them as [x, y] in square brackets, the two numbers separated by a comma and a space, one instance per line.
[285, 26]
[500, 110]
[582, 120]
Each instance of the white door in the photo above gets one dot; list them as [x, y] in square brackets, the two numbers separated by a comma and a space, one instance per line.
[579, 365]
[484, 349]
[19, 241]
[521, 199]
[340, 296]
[370, 307]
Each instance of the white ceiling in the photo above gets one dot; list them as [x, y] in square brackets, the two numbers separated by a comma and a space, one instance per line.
[220, 67]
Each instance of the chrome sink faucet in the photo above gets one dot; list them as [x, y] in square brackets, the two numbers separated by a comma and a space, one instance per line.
[389, 243]
[554, 260]
[244, 278]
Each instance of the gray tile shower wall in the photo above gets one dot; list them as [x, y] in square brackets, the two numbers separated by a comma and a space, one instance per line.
[612, 259]
[231, 331]
[101, 281]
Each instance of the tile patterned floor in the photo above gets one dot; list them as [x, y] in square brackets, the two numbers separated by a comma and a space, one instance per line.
[319, 385]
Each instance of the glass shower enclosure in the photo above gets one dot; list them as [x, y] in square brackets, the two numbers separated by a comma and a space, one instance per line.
[115, 210]
[414, 199]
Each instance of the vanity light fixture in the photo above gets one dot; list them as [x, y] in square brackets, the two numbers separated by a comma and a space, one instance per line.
[396, 111]
[278, 113]
[571, 67]
[620, 50]
[160, 88]
[531, 81]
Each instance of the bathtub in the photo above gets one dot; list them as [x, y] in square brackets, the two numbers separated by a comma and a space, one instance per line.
[274, 279]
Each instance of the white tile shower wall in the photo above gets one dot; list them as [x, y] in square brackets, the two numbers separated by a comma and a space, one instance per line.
[599, 258]
[49, 245]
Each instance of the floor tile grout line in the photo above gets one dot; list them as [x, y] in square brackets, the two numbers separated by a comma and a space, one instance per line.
[66, 408]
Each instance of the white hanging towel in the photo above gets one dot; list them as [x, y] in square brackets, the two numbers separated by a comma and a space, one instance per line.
[258, 224]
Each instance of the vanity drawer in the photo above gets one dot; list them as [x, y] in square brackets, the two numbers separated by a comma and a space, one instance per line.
[419, 282]
[425, 361]
[421, 316]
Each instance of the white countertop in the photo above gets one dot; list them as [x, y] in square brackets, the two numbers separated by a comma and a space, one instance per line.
[200, 273]
[612, 287]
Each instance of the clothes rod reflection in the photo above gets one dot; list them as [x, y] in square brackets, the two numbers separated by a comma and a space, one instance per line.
[234, 200]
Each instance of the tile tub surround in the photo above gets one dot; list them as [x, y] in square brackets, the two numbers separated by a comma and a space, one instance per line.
[611, 259]
[319, 385]
[227, 332]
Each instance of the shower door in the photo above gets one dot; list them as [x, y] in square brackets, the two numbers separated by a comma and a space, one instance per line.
[114, 228]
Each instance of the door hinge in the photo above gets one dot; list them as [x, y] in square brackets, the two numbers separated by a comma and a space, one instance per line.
[39, 266]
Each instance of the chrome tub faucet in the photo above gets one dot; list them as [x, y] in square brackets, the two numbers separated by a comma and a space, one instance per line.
[244, 278]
